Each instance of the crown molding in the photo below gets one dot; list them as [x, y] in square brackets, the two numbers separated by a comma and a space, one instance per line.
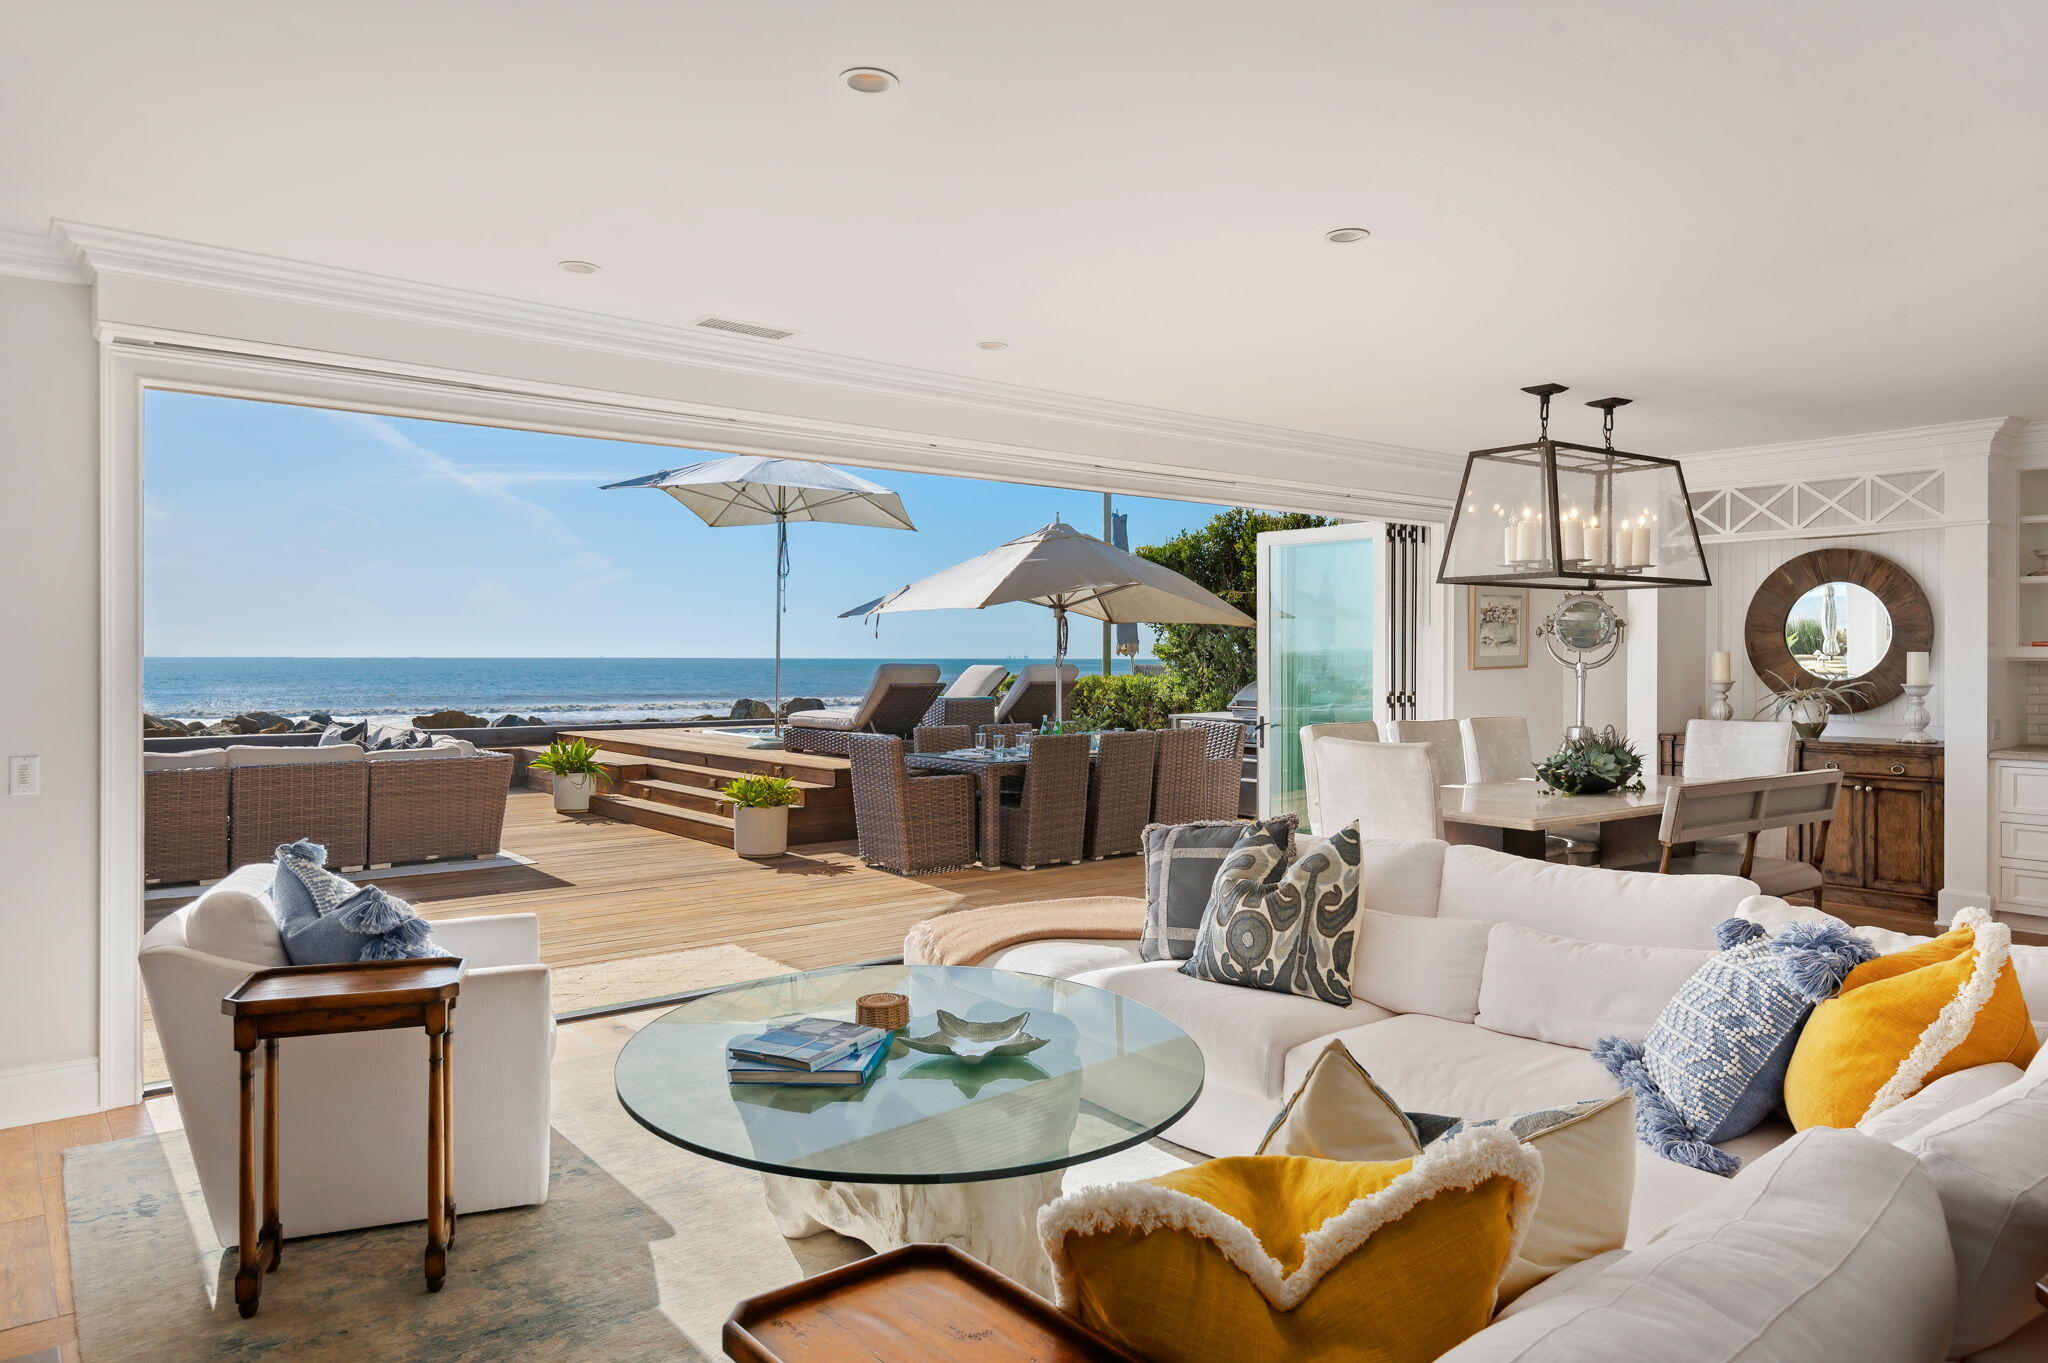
[37, 255]
[1836, 455]
[106, 250]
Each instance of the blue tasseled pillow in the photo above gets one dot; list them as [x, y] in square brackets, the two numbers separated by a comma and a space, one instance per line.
[1713, 1066]
[325, 919]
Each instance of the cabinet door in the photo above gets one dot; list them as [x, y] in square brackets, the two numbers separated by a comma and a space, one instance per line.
[1903, 836]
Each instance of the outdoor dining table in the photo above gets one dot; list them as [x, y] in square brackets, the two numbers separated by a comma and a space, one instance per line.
[1515, 816]
[988, 767]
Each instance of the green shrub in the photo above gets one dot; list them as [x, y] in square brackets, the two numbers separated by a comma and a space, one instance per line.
[761, 792]
[1127, 702]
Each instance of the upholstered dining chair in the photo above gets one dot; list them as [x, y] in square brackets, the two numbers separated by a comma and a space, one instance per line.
[1391, 789]
[1445, 739]
[1701, 811]
[1497, 749]
[1362, 731]
[1723, 749]
[1120, 793]
[1045, 822]
[909, 824]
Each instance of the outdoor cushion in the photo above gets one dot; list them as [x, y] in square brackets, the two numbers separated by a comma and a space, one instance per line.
[1831, 1247]
[1245, 1035]
[185, 761]
[440, 747]
[345, 731]
[1292, 932]
[1063, 958]
[1410, 964]
[383, 734]
[836, 717]
[1181, 862]
[978, 681]
[1588, 903]
[1557, 989]
[857, 716]
[232, 920]
[255, 755]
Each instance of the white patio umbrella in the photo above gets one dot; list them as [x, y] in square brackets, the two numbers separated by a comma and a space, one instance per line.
[745, 489]
[1060, 568]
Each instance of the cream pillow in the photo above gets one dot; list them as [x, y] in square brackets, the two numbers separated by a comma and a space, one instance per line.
[232, 923]
[1588, 1151]
[1572, 993]
[1938, 1099]
[1418, 965]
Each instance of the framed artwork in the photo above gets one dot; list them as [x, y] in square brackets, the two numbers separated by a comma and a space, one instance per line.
[1497, 627]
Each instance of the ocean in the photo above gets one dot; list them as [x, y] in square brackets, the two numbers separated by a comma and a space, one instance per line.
[561, 690]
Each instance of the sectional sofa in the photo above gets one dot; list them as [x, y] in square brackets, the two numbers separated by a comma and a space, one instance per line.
[1482, 982]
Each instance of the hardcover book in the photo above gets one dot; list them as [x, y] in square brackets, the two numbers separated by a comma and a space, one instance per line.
[806, 1044]
[855, 1068]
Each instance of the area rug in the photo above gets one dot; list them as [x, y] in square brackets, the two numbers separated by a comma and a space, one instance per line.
[639, 1254]
[605, 984]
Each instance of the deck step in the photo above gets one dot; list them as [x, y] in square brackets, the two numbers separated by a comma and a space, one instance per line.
[687, 823]
[708, 778]
[675, 793]
[723, 754]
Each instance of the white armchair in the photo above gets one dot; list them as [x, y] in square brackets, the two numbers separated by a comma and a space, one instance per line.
[353, 1108]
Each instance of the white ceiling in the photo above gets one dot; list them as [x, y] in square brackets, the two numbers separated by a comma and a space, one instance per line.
[1764, 221]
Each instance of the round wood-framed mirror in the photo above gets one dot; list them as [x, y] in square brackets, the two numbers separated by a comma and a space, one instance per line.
[1836, 616]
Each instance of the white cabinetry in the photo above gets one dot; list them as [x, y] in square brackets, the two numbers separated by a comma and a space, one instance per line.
[2022, 793]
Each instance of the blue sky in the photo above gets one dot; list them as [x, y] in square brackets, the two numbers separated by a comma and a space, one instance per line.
[291, 531]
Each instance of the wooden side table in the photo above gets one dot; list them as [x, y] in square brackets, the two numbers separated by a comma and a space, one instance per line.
[325, 1000]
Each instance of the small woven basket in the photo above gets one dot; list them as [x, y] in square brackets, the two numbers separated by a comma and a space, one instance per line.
[882, 1010]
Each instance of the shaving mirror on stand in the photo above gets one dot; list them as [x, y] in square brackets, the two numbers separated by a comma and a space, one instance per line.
[1582, 633]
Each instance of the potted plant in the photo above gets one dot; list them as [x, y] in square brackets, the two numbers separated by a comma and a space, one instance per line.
[760, 814]
[1808, 707]
[1592, 766]
[573, 765]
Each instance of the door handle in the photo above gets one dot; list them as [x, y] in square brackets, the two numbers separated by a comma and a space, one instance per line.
[1898, 769]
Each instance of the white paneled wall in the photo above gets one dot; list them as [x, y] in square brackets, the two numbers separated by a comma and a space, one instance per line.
[1739, 567]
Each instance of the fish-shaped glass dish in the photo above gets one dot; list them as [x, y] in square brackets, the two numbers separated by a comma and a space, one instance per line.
[966, 1040]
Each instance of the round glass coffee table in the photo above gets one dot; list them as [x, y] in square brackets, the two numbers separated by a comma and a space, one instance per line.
[931, 1147]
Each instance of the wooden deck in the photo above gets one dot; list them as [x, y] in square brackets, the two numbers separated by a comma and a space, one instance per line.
[609, 891]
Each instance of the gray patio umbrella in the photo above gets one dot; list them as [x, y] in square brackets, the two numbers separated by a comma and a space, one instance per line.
[1060, 568]
[745, 489]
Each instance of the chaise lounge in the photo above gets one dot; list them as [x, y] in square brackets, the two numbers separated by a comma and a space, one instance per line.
[895, 702]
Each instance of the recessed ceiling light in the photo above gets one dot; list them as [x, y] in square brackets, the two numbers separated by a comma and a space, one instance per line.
[578, 266]
[868, 80]
[991, 345]
[1346, 234]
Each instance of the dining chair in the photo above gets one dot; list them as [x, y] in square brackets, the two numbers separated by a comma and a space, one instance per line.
[1445, 739]
[1723, 749]
[1361, 730]
[1744, 808]
[1223, 766]
[941, 738]
[913, 825]
[1120, 793]
[1045, 822]
[1178, 793]
[1497, 748]
[1390, 789]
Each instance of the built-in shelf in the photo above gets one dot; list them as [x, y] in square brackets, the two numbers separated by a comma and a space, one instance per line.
[2026, 654]
[2034, 579]
[2034, 520]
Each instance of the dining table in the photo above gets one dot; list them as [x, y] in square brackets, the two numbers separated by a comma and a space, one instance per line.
[1517, 817]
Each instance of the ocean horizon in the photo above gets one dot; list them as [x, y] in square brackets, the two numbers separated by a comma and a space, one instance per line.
[560, 690]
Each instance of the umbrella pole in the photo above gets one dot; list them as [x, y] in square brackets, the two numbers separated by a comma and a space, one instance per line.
[1059, 656]
[781, 581]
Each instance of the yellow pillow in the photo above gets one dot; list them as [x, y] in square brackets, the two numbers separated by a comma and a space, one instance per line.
[1906, 1019]
[1257, 1256]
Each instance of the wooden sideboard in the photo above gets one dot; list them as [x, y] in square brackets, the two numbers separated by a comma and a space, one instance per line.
[1884, 849]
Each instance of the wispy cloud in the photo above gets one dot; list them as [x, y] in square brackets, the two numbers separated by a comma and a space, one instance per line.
[589, 567]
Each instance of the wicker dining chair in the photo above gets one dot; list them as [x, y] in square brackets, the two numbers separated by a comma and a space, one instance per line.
[941, 738]
[1120, 794]
[913, 825]
[1179, 789]
[1047, 824]
[1223, 766]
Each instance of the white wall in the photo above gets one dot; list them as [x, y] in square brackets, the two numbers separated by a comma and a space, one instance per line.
[1543, 692]
[49, 560]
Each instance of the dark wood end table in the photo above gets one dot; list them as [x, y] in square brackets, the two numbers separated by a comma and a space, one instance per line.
[327, 1000]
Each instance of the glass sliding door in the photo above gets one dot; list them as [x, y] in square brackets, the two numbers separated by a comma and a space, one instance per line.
[1341, 620]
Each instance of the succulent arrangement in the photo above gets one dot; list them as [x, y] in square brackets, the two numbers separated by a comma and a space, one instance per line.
[1808, 707]
[1593, 766]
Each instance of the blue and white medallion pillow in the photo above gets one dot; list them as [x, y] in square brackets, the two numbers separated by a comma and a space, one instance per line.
[325, 919]
[1713, 1066]
[1293, 934]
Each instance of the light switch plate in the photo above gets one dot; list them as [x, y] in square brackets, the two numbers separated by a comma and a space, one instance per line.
[24, 775]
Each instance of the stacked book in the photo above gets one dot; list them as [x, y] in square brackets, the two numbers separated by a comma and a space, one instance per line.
[808, 1051]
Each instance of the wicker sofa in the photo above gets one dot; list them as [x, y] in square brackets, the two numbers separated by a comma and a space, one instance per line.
[210, 809]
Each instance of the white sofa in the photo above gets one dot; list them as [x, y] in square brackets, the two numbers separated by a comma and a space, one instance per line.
[1482, 982]
[353, 1108]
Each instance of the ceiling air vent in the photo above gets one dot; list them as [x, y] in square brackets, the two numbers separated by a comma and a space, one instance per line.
[753, 329]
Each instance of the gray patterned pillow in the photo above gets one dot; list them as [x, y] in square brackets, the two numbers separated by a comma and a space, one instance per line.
[1181, 862]
[1293, 935]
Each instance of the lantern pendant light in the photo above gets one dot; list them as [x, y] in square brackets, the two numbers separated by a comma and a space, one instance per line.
[1583, 518]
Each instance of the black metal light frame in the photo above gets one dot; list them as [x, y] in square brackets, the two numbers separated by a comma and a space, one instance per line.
[1545, 453]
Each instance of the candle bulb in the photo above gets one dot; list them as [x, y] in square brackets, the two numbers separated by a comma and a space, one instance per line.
[1722, 667]
[1526, 544]
[1570, 538]
[1916, 669]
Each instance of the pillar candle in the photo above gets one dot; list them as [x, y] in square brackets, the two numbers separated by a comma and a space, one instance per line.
[1570, 539]
[1723, 666]
[1528, 545]
[1916, 669]
[1507, 543]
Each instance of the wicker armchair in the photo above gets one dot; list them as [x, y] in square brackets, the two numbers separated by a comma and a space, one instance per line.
[913, 825]
[429, 808]
[1120, 804]
[941, 738]
[1048, 822]
[185, 825]
[969, 710]
[1180, 793]
[1223, 774]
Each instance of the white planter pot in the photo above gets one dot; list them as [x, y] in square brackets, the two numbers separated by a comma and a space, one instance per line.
[760, 832]
[572, 793]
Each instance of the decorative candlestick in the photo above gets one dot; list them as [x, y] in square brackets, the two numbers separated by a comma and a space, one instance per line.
[1720, 709]
[1916, 715]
